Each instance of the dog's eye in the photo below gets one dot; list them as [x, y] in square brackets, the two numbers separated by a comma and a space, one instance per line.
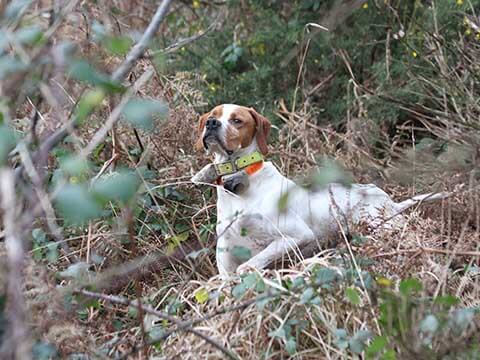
[237, 121]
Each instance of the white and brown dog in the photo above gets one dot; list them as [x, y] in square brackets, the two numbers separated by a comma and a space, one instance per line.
[262, 215]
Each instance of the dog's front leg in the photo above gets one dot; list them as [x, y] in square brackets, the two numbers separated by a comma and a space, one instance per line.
[282, 244]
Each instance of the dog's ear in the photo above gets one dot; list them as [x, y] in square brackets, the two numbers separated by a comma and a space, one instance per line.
[262, 130]
[201, 125]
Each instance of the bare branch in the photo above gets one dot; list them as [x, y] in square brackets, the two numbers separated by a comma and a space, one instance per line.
[17, 346]
[161, 315]
[138, 50]
[118, 75]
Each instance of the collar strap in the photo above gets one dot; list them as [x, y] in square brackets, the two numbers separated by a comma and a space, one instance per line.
[232, 166]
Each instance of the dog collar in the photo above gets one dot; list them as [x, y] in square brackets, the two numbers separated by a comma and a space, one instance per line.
[251, 163]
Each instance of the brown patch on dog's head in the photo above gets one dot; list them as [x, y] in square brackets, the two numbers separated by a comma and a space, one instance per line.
[262, 130]
[217, 113]
[241, 125]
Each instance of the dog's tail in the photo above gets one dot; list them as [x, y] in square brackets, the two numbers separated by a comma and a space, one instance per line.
[418, 199]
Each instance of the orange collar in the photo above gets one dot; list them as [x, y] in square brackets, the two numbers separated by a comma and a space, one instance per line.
[250, 170]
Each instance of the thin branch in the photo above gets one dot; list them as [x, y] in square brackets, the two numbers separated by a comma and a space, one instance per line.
[118, 75]
[138, 50]
[429, 250]
[17, 346]
[161, 315]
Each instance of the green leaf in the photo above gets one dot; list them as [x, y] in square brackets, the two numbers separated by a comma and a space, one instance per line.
[15, 8]
[118, 186]
[77, 270]
[39, 236]
[85, 72]
[353, 296]
[291, 346]
[76, 204]
[377, 345]
[89, 101]
[74, 165]
[330, 172]
[279, 333]
[44, 351]
[250, 280]
[10, 65]
[429, 324]
[324, 276]
[447, 300]
[307, 295]
[409, 286]
[282, 204]
[461, 319]
[118, 45]
[389, 355]
[141, 113]
[29, 35]
[176, 240]
[241, 253]
[52, 252]
[239, 290]
[201, 295]
[357, 342]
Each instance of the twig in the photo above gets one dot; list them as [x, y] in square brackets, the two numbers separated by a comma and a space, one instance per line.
[161, 315]
[429, 250]
[173, 47]
[118, 75]
[138, 50]
[18, 344]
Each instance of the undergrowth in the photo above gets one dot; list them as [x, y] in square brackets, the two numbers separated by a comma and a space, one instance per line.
[118, 244]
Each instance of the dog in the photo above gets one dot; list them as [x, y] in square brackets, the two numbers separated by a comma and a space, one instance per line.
[262, 215]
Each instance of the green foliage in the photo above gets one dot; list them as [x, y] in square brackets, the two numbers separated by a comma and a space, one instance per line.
[142, 112]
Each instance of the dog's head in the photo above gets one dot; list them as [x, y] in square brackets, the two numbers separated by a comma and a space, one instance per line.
[228, 128]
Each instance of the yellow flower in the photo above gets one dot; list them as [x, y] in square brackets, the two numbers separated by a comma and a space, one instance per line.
[414, 54]
[459, 2]
[477, 36]
[196, 4]
[212, 87]
[468, 31]
[365, 6]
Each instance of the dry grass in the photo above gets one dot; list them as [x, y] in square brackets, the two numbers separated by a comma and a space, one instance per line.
[433, 246]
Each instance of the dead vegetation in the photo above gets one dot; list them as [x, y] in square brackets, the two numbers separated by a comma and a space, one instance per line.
[124, 291]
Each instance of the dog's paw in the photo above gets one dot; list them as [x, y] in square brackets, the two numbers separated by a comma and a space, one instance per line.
[245, 268]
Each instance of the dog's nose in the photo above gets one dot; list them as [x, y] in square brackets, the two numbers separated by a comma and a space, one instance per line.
[212, 124]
